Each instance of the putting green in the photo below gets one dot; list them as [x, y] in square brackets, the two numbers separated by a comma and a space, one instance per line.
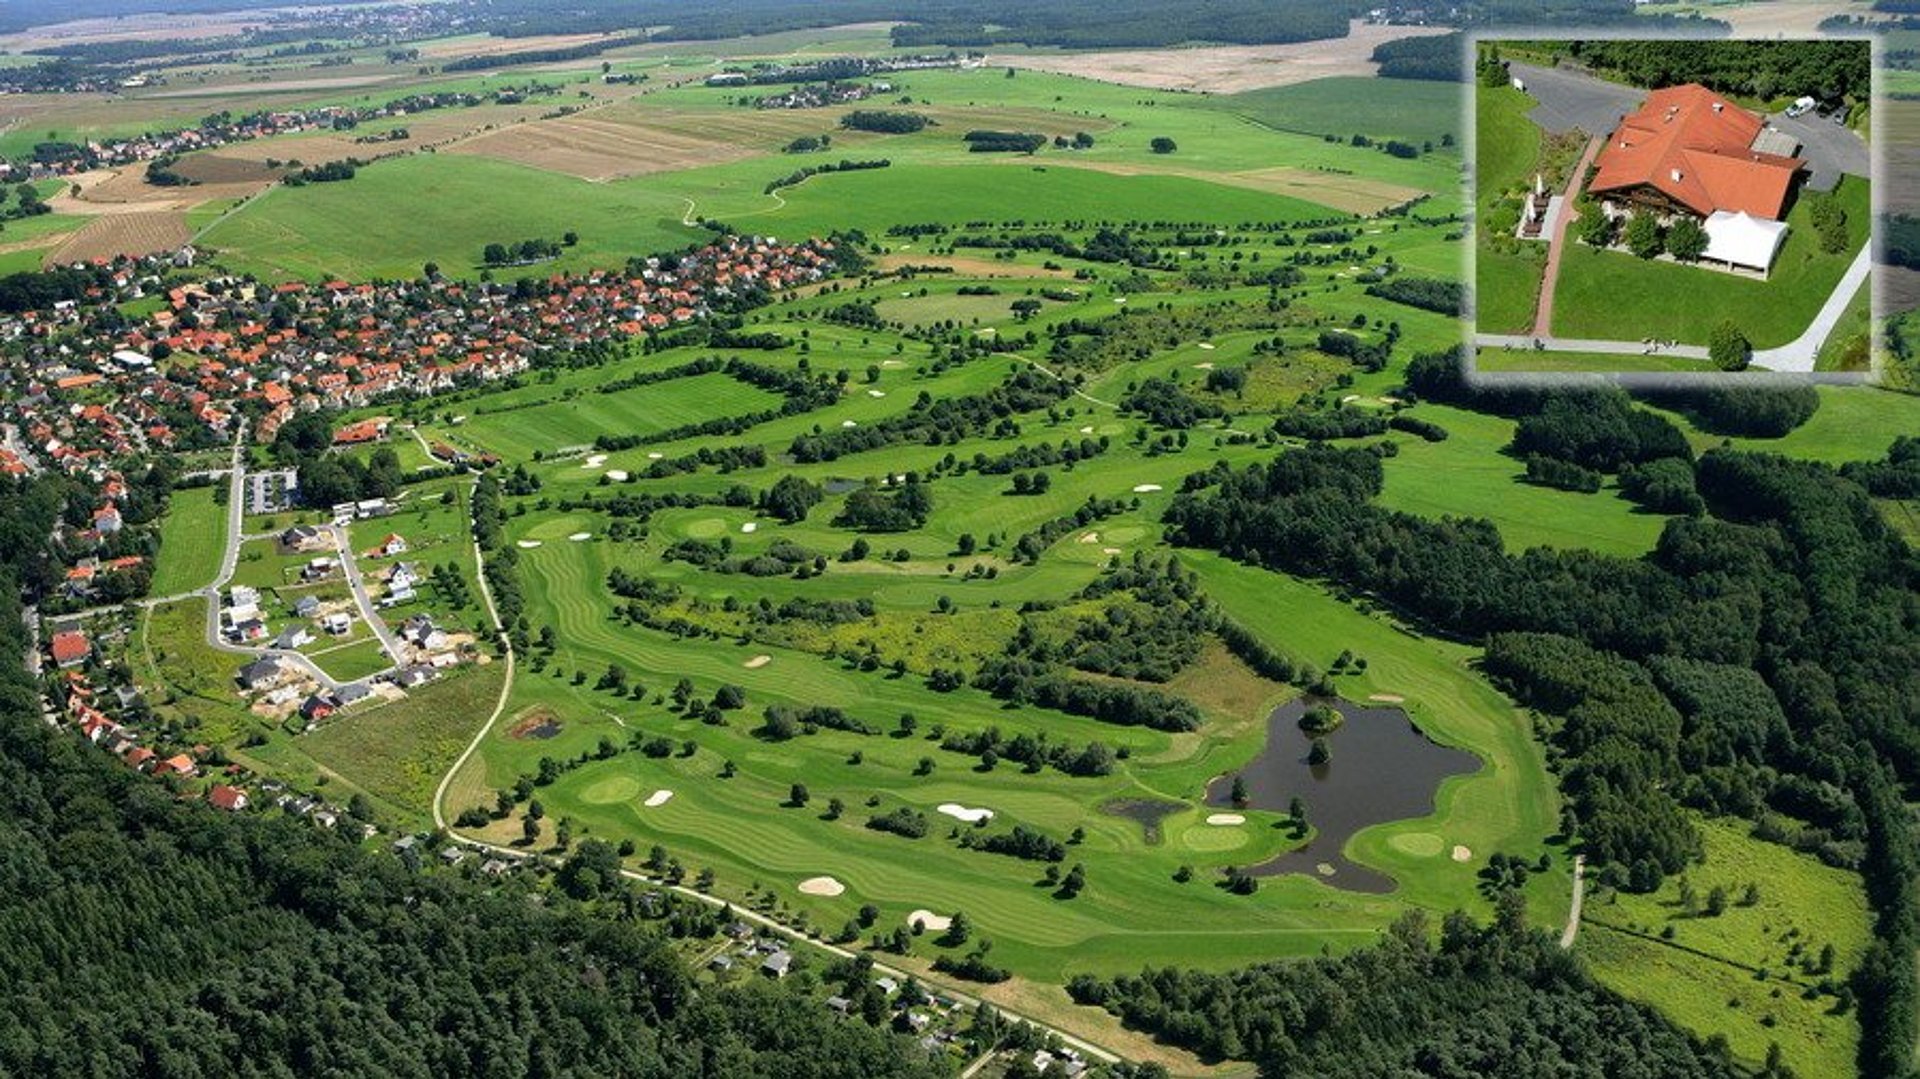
[611, 790]
[1419, 844]
[1122, 534]
[1214, 837]
[706, 528]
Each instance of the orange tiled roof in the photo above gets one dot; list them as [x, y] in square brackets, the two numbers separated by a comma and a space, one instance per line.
[1695, 146]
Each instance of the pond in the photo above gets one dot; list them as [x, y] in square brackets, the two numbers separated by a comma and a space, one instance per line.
[1381, 768]
[1146, 812]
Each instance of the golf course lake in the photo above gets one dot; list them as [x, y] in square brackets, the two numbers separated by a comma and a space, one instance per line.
[1381, 769]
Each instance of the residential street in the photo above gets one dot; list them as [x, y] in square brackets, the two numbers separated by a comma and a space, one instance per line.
[368, 613]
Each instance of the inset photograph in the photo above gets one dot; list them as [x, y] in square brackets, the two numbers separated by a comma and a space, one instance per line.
[1681, 207]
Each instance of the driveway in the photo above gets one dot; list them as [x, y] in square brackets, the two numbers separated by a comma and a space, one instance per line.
[1830, 149]
[1574, 100]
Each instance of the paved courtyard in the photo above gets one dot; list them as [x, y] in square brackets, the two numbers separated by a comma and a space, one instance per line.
[1575, 101]
[1830, 149]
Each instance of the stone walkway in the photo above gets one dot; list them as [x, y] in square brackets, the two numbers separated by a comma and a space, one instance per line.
[1557, 243]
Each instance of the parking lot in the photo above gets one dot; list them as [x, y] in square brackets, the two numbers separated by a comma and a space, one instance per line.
[1829, 148]
[1575, 101]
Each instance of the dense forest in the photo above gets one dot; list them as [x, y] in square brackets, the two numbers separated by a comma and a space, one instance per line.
[1764, 69]
[1646, 664]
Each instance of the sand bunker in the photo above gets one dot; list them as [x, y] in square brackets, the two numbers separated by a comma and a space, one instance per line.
[529, 544]
[1388, 698]
[1091, 537]
[595, 461]
[1225, 818]
[1087, 430]
[659, 798]
[757, 662]
[960, 812]
[579, 536]
[821, 886]
[750, 526]
[1146, 488]
[616, 475]
[1208, 366]
[655, 455]
[876, 393]
[1109, 550]
[927, 919]
[1208, 345]
[848, 423]
[1462, 854]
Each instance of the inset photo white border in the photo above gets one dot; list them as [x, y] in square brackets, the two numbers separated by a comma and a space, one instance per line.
[1580, 99]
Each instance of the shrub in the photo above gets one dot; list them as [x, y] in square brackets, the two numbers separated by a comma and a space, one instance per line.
[1643, 235]
[1728, 347]
[1686, 240]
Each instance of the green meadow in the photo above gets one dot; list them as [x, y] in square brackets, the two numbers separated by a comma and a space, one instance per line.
[1415, 110]
[191, 539]
[1759, 971]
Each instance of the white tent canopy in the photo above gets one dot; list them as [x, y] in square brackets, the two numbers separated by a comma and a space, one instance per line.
[1743, 239]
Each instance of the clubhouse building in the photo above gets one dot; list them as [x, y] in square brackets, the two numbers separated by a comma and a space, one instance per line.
[1687, 150]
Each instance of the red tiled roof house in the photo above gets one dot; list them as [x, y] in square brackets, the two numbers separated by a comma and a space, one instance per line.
[1687, 149]
[70, 648]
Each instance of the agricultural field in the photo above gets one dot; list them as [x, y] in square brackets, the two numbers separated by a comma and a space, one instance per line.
[1413, 110]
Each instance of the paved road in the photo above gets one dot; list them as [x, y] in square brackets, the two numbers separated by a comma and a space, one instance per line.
[1557, 243]
[1523, 343]
[230, 560]
[1575, 100]
[1579, 895]
[1799, 354]
[368, 614]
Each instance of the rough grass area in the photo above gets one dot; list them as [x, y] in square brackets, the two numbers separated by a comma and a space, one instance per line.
[1753, 972]
[396, 752]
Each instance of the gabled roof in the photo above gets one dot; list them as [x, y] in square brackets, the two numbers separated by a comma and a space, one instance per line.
[1696, 147]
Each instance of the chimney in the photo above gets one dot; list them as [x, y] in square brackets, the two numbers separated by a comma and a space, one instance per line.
[1676, 175]
[1719, 105]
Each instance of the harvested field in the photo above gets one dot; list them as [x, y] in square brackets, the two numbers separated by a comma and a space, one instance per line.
[1353, 194]
[596, 149]
[1224, 69]
[282, 86]
[759, 129]
[123, 234]
[126, 191]
[480, 45]
[218, 168]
